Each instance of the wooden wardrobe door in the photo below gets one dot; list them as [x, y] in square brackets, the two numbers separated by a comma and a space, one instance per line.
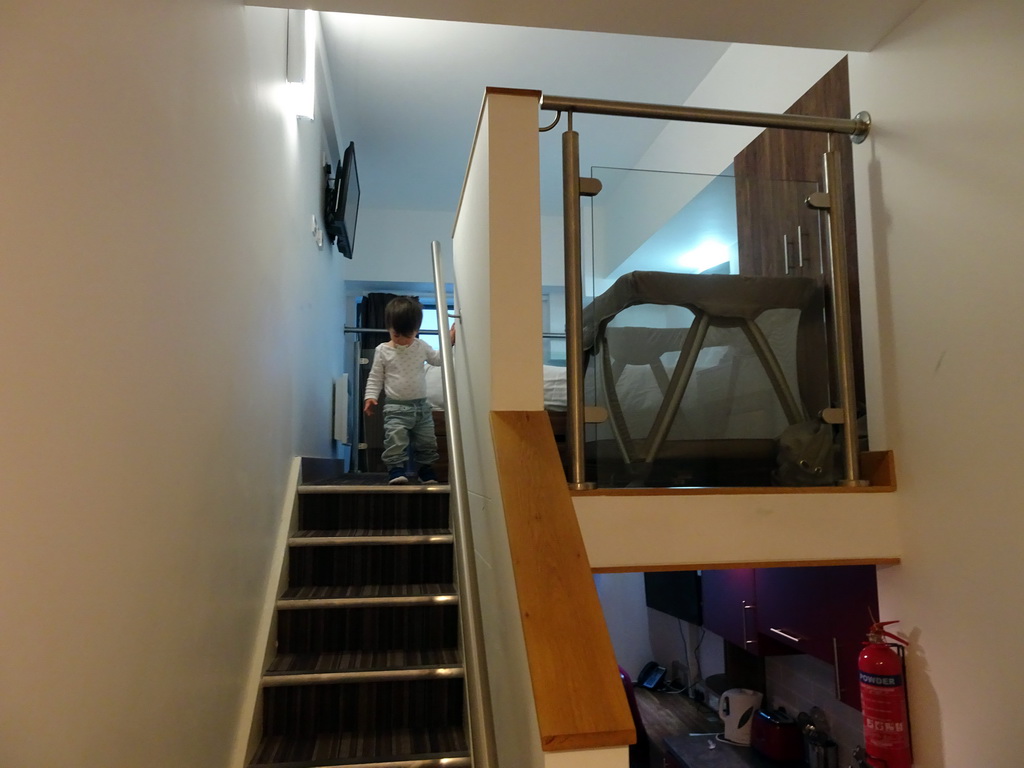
[774, 173]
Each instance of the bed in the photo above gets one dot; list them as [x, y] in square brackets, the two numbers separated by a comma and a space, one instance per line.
[554, 388]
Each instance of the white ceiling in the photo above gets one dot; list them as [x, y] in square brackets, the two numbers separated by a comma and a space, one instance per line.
[409, 92]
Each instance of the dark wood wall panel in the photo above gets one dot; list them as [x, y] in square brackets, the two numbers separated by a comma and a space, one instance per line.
[774, 173]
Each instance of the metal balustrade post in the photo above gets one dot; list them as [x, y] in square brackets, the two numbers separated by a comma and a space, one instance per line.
[841, 320]
[575, 418]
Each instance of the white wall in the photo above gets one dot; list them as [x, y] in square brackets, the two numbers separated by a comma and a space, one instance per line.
[168, 338]
[623, 600]
[498, 220]
[395, 245]
[939, 187]
[752, 78]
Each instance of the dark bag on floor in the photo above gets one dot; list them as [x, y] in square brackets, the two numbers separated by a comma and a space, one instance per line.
[806, 455]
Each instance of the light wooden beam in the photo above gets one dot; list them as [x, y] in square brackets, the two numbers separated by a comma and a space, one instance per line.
[579, 697]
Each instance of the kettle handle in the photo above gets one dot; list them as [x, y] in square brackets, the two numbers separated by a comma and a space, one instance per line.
[725, 705]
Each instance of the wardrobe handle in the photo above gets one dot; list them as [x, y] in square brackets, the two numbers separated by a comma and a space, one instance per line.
[743, 616]
[785, 253]
[800, 247]
[835, 659]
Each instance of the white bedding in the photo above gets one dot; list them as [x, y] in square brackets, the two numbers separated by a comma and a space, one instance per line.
[554, 388]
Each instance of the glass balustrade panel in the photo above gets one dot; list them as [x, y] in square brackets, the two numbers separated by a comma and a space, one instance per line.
[705, 332]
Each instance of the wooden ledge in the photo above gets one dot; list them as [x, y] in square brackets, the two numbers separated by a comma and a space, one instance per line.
[579, 697]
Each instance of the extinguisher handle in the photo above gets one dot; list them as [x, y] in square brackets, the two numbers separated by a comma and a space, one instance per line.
[878, 629]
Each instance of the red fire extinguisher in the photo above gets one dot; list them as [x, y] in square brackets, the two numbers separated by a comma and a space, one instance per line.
[883, 698]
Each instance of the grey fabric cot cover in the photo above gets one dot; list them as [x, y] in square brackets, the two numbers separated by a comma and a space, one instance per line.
[717, 301]
[723, 297]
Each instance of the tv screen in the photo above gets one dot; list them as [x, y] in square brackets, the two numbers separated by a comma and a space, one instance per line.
[676, 593]
[341, 203]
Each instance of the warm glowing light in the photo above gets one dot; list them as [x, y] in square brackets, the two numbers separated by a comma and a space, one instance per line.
[710, 253]
[303, 93]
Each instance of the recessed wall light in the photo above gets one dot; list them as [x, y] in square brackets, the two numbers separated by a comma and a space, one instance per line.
[301, 64]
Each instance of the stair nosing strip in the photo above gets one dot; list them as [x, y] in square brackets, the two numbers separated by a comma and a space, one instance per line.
[370, 538]
[366, 675]
[294, 603]
[342, 489]
[454, 759]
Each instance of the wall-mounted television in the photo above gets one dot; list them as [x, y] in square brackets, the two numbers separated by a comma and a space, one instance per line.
[341, 202]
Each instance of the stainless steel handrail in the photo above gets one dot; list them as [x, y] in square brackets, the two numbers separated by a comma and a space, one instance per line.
[431, 332]
[857, 128]
[421, 332]
[478, 694]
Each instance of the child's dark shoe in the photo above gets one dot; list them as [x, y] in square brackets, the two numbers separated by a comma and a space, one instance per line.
[427, 475]
[396, 476]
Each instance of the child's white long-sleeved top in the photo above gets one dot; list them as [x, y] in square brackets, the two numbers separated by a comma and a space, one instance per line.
[399, 370]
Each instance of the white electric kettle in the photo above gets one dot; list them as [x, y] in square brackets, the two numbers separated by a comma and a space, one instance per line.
[736, 707]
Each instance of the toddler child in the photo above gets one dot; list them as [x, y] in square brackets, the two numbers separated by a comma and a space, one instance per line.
[398, 369]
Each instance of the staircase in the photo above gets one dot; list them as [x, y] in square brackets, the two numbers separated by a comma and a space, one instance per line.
[368, 668]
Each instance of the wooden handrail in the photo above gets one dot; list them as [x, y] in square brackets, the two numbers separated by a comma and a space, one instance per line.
[579, 697]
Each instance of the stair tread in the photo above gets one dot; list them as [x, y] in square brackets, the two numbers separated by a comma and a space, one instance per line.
[350, 661]
[362, 681]
[352, 749]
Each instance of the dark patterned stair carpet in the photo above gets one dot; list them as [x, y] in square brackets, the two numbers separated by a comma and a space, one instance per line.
[360, 661]
[363, 707]
[373, 511]
[305, 631]
[406, 564]
[419, 743]
[385, 611]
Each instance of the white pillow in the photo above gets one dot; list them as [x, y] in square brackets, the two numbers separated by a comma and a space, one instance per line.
[435, 392]
[555, 397]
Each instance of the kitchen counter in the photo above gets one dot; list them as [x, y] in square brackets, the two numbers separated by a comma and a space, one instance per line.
[705, 751]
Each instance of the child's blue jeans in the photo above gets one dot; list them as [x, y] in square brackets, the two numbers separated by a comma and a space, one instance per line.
[408, 422]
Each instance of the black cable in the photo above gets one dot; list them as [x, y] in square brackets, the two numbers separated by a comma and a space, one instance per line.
[696, 656]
